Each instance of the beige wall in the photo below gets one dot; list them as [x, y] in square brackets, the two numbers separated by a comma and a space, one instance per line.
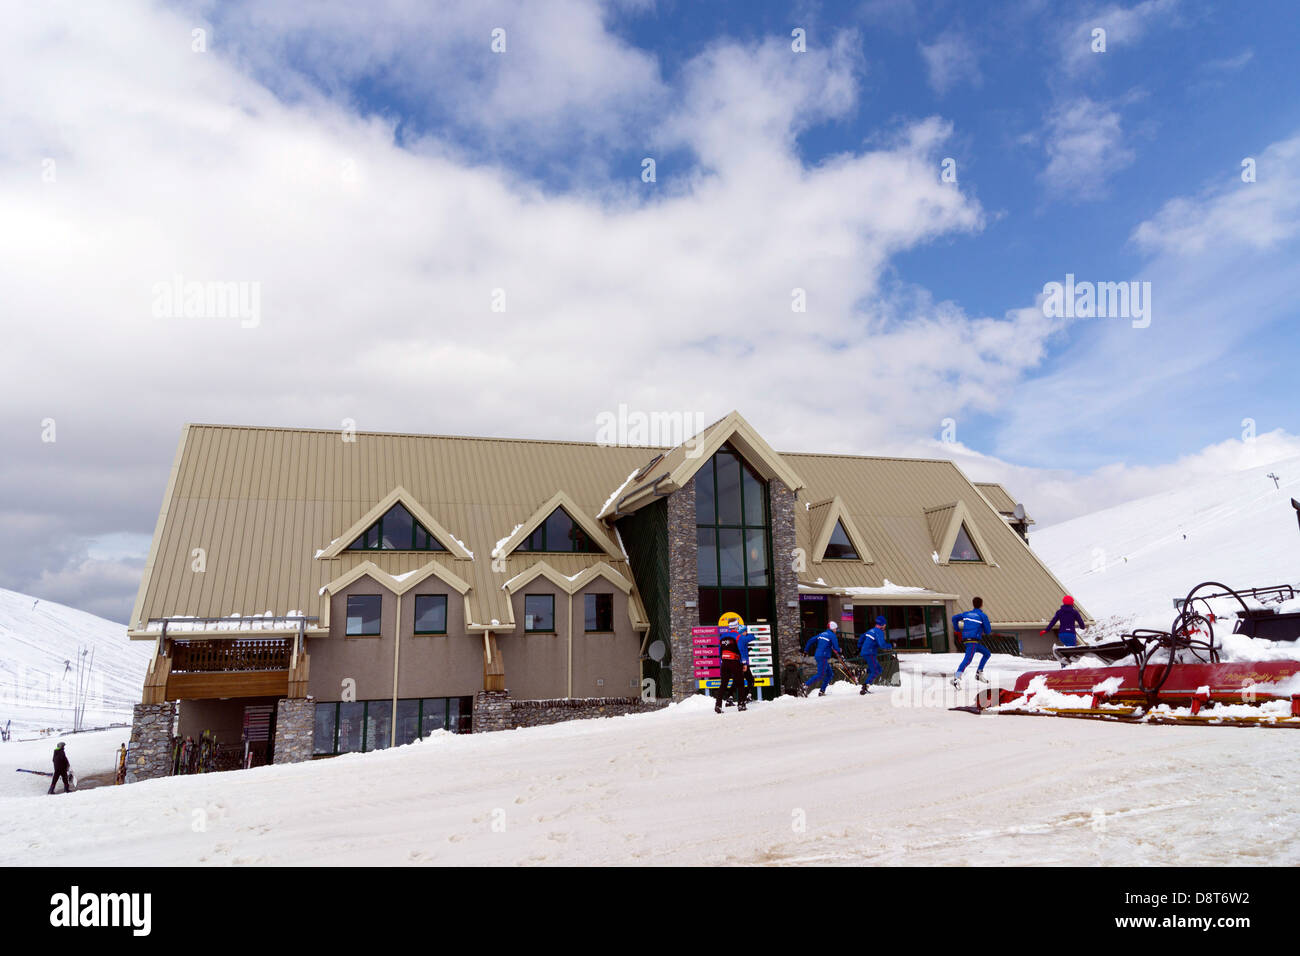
[451, 664]
[438, 665]
[537, 665]
[367, 660]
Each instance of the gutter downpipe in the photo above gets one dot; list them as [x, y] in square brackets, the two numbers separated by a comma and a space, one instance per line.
[397, 655]
[569, 692]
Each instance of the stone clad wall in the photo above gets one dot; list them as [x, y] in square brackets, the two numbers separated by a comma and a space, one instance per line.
[683, 586]
[149, 754]
[494, 710]
[295, 723]
[783, 502]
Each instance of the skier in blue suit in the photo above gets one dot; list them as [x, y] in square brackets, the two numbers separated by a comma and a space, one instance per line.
[870, 642]
[822, 646]
[973, 626]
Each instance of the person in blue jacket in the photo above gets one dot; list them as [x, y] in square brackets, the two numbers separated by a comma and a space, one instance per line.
[822, 646]
[1069, 620]
[870, 642]
[972, 626]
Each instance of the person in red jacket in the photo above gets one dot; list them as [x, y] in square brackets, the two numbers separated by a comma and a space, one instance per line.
[1069, 620]
[733, 671]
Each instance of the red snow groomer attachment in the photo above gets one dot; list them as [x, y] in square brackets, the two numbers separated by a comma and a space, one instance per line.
[1172, 676]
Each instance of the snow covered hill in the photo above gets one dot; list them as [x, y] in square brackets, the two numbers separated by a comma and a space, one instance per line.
[888, 778]
[1135, 558]
[40, 643]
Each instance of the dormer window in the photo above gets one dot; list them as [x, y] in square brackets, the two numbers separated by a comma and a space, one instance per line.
[396, 530]
[561, 533]
[963, 549]
[839, 546]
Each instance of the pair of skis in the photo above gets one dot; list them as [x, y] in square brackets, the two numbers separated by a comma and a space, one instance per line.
[72, 777]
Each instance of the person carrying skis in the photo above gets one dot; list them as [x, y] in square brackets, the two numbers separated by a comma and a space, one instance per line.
[733, 674]
[870, 642]
[1069, 619]
[972, 625]
[61, 767]
[822, 646]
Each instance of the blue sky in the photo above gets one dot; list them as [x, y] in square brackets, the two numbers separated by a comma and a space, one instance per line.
[379, 174]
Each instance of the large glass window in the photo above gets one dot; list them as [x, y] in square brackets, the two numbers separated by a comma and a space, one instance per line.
[539, 612]
[599, 610]
[839, 547]
[322, 741]
[408, 721]
[559, 532]
[732, 538]
[397, 530]
[431, 614]
[366, 725]
[351, 715]
[363, 614]
[379, 723]
[963, 549]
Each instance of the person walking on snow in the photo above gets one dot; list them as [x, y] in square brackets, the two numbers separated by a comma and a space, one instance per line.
[1069, 619]
[733, 674]
[870, 642]
[972, 626]
[61, 767]
[822, 646]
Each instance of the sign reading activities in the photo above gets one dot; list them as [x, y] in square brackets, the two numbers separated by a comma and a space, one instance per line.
[708, 663]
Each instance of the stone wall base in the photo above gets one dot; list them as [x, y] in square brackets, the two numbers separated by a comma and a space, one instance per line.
[495, 710]
[149, 754]
[295, 727]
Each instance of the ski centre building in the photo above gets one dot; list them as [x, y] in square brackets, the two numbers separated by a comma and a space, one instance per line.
[314, 592]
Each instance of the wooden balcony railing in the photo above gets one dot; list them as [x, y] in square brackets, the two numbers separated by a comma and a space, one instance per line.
[227, 656]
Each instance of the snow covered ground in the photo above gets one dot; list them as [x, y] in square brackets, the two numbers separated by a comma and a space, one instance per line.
[1133, 559]
[92, 756]
[894, 777]
[40, 642]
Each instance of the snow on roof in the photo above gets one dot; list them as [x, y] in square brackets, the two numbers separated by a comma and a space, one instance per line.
[496, 548]
[617, 491]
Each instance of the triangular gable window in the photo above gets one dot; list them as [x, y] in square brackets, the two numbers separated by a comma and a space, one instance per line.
[839, 546]
[963, 549]
[396, 530]
[559, 532]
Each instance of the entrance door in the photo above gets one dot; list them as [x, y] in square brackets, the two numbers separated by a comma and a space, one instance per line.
[257, 738]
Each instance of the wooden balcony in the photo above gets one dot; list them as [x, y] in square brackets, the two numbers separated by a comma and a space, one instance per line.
[227, 667]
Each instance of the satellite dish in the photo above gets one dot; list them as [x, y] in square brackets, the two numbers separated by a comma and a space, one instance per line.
[657, 650]
[1019, 512]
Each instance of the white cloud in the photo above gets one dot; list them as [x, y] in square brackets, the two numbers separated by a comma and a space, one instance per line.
[377, 261]
[1055, 495]
[1123, 26]
[950, 60]
[1233, 213]
[1085, 146]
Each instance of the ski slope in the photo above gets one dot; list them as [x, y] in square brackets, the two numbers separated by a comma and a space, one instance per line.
[891, 778]
[40, 642]
[1135, 558]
